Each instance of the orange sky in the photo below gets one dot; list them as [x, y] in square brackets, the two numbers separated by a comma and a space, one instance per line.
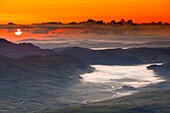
[32, 11]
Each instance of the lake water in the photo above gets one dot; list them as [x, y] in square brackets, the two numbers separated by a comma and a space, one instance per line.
[108, 82]
[135, 76]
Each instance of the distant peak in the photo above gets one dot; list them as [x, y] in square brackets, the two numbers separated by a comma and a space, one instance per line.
[81, 48]
[2, 40]
[28, 44]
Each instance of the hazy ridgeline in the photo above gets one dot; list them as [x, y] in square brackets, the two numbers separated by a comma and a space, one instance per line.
[98, 36]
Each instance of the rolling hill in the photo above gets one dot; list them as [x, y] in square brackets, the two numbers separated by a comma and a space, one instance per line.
[10, 49]
[35, 80]
[118, 56]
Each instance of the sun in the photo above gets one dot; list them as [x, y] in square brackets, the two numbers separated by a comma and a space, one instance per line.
[19, 32]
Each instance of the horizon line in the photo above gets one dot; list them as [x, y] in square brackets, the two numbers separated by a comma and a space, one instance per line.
[81, 22]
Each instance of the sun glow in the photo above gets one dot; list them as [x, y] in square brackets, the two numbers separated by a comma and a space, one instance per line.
[35, 11]
[19, 32]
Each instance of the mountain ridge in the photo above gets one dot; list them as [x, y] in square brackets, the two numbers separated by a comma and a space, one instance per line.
[10, 49]
[132, 56]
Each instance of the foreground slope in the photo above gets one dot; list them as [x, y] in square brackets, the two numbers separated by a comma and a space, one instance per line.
[37, 78]
[153, 99]
[32, 78]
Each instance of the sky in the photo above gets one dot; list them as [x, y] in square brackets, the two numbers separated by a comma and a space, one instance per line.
[33, 11]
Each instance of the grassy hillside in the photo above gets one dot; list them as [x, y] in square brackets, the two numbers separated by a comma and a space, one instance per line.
[149, 102]
[37, 79]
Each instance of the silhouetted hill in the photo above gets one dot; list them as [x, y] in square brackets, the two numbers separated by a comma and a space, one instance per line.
[23, 49]
[42, 67]
[119, 56]
[38, 77]
[107, 57]
[162, 70]
[74, 48]
[28, 72]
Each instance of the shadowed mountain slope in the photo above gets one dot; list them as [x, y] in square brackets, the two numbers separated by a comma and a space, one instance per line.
[37, 78]
[163, 70]
[10, 49]
[118, 56]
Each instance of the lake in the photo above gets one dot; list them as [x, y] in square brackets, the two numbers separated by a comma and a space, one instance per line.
[108, 82]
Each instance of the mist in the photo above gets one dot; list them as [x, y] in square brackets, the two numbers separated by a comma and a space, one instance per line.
[95, 36]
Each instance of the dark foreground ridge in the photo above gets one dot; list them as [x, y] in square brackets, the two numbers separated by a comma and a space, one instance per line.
[34, 76]
[37, 78]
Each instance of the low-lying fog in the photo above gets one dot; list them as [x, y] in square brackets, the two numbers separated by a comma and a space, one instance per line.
[111, 82]
[96, 37]
[136, 76]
